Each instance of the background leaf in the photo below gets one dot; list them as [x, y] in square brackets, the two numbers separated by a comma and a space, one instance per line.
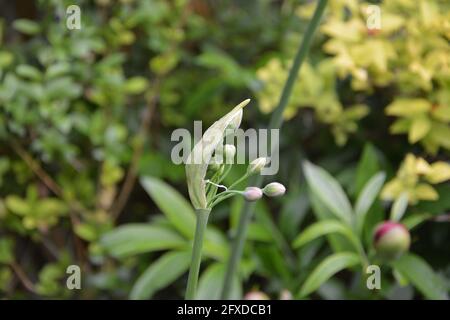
[161, 273]
[211, 282]
[328, 190]
[368, 166]
[172, 204]
[420, 274]
[322, 228]
[326, 269]
[366, 198]
[399, 207]
[137, 238]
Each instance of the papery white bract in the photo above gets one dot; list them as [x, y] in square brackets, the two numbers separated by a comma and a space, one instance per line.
[198, 161]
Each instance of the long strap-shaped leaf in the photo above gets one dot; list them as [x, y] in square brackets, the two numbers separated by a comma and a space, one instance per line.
[422, 276]
[325, 227]
[326, 269]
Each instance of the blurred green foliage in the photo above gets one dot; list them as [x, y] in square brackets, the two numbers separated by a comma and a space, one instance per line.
[85, 123]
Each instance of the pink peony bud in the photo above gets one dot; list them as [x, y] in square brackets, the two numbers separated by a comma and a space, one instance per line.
[391, 240]
[274, 189]
[252, 193]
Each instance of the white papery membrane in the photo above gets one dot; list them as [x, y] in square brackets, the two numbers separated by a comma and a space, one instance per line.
[200, 156]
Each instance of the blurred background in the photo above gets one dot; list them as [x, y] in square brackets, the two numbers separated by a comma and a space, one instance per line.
[86, 116]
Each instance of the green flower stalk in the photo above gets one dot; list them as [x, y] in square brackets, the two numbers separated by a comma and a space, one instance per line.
[275, 123]
[205, 175]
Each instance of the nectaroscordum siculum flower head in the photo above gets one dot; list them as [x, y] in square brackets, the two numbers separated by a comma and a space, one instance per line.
[199, 159]
[206, 172]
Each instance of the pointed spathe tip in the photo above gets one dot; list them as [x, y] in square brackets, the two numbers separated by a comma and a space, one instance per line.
[244, 103]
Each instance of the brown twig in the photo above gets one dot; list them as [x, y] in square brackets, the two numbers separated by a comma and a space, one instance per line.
[36, 168]
[75, 206]
[21, 275]
[43, 176]
[442, 218]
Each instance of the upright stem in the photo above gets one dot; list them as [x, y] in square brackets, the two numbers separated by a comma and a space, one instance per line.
[202, 221]
[238, 245]
[276, 122]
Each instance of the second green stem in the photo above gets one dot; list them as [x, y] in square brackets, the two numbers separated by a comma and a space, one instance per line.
[275, 123]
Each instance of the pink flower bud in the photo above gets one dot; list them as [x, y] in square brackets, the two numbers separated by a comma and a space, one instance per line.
[274, 189]
[256, 295]
[391, 240]
[252, 193]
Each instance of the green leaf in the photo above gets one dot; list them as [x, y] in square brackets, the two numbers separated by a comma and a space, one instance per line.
[26, 26]
[176, 208]
[326, 269]
[336, 240]
[137, 238]
[57, 69]
[399, 207]
[160, 274]
[325, 227]
[216, 245]
[17, 205]
[6, 250]
[367, 197]
[271, 261]
[408, 107]
[414, 220]
[211, 282]
[420, 127]
[439, 206]
[136, 85]
[86, 231]
[420, 274]
[368, 166]
[328, 190]
[28, 72]
[164, 63]
[257, 232]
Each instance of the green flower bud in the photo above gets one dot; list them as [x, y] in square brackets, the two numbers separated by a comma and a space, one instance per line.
[274, 189]
[391, 240]
[252, 193]
[213, 166]
[257, 165]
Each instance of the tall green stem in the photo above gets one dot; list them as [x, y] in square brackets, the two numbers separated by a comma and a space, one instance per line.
[202, 221]
[276, 122]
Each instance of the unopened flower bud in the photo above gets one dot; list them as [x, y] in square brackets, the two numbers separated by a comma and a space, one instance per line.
[213, 166]
[256, 295]
[252, 193]
[229, 151]
[274, 189]
[257, 165]
[391, 240]
[285, 295]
